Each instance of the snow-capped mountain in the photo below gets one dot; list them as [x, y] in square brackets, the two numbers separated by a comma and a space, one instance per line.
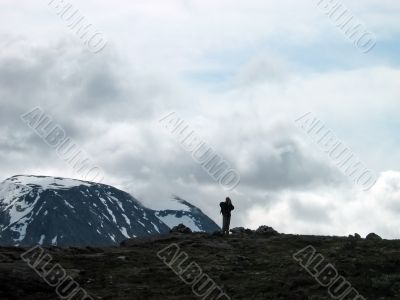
[67, 212]
[188, 215]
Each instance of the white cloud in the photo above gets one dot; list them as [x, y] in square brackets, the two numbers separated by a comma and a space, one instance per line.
[335, 212]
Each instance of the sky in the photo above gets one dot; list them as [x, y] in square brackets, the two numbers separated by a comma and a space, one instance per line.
[240, 73]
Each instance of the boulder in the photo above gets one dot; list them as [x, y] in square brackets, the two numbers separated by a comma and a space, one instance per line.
[357, 236]
[248, 231]
[374, 237]
[266, 231]
[180, 229]
[238, 230]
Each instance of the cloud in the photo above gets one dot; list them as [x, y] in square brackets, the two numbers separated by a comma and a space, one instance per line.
[240, 74]
[335, 212]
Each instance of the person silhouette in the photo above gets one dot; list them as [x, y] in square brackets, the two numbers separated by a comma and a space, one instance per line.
[226, 208]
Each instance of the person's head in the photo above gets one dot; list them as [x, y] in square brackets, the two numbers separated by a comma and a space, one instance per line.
[228, 200]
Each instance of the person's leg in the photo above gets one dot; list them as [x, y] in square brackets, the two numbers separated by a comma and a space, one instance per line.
[228, 223]
[223, 224]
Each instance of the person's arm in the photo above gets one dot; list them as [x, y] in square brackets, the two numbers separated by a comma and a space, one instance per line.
[232, 207]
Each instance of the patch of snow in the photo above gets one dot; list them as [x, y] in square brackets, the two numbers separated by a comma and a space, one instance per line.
[68, 204]
[112, 237]
[118, 202]
[127, 219]
[155, 227]
[20, 208]
[40, 209]
[109, 210]
[41, 239]
[172, 220]
[46, 182]
[10, 192]
[54, 241]
[124, 232]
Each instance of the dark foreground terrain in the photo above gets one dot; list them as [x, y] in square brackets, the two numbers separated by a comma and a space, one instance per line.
[246, 266]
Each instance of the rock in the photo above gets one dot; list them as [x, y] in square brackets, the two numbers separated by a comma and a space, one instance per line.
[248, 231]
[181, 229]
[217, 233]
[266, 231]
[374, 237]
[356, 236]
[238, 230]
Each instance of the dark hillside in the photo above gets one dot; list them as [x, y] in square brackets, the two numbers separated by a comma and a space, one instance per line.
[245, 266]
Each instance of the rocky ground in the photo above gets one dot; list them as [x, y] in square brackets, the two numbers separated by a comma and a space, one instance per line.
[246, 265]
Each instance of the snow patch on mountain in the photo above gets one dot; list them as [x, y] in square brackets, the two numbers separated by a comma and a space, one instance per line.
[172, 220]
[46, 182]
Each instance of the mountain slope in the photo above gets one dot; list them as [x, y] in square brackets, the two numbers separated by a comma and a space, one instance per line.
[188, 215]
[67, 212]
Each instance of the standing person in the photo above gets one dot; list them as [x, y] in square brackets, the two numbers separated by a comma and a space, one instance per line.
[226, 208]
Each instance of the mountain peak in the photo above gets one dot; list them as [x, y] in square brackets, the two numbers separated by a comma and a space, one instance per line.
[46, 182]
[69, 212]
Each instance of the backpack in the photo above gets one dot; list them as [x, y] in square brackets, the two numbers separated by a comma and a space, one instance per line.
[222, 205]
